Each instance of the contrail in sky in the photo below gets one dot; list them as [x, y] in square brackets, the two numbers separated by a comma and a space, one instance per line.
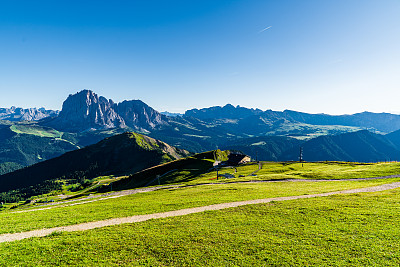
[263, 30]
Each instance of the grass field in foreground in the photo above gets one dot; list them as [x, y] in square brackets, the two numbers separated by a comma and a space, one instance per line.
[341, 230]
[167, 200]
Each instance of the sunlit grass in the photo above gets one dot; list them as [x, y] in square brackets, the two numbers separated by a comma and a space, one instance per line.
[341, 230]
[307, 170]
[167, 200]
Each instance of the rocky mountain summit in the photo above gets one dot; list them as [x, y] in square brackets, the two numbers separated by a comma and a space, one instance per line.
[86, 110]
[137, 114]
[29, 114]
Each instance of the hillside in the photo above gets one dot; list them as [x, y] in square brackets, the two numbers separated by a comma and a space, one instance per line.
[26, 143]
[361, 146]
[20, 148]
[121, 154]
[178, 171]
[267, 148]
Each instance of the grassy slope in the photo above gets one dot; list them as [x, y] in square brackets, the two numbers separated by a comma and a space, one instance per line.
[343, 230]
[195, 172]
[178, 171]
[35, 130]
[295, 170]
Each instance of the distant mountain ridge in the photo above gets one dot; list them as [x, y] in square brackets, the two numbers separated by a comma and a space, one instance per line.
[28, 114]
[384, 122]
[226, 112]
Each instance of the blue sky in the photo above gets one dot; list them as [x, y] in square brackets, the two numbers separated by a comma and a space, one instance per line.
[331, 56]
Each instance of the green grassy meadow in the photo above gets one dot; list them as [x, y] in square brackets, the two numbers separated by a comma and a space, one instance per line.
[167, 200]
[342, 230]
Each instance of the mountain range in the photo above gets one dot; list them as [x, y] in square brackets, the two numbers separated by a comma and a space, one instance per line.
[29, 114]
[86, 110]
[93, 136]
[87, 118]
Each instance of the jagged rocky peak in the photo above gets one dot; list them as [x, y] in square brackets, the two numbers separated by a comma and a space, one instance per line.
[138, 114]
[85, 110]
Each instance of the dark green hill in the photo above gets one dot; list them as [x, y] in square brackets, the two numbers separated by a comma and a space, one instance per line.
[268, 148]
[178, 171]
[121, 154]
[361, 146]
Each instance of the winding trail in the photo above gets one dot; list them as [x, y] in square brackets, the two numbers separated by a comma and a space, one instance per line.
[94, 198]
[141, 218]
[117, 194]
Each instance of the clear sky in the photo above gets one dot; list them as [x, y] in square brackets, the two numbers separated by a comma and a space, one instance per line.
[318, 56]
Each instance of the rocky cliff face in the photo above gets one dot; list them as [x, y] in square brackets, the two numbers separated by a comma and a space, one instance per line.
[86, 110]
[29, 114]
[137, 114]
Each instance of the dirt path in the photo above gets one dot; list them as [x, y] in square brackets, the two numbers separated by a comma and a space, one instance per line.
[117, 194]
[141, 218]
[94, 198]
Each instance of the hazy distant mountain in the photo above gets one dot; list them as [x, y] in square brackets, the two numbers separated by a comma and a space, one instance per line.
[171, 114]
[120, 154]
[361, 146]
[226, 112]
[29, 114]
[383, 122]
